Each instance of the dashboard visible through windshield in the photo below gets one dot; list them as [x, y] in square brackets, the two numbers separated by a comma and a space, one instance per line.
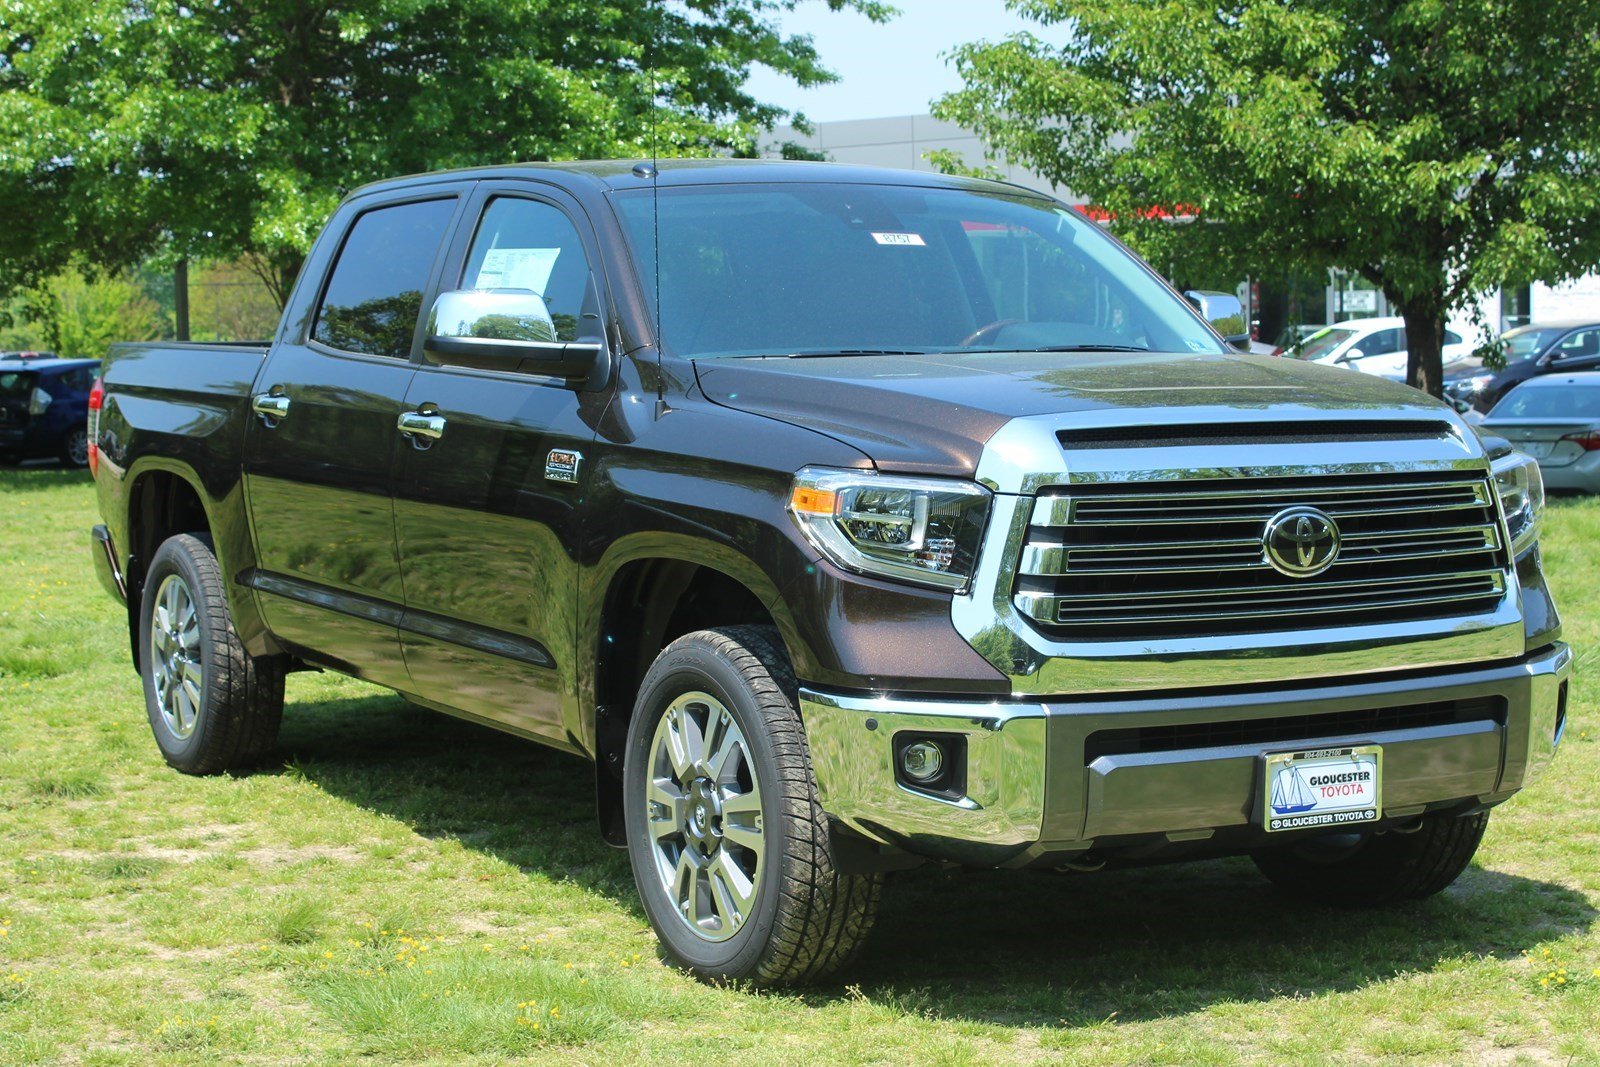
[817, 269]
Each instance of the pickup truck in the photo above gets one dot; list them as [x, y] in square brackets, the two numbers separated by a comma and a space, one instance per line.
[845, 519]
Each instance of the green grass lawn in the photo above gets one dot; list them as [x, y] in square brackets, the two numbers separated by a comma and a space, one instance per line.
[401, 886]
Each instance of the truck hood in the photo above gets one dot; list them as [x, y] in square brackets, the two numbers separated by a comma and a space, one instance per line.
[933, 413]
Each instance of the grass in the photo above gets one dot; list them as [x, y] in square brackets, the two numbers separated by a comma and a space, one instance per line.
[402, 887]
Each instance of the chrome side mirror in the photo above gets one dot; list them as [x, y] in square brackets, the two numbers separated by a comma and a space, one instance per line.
[503, 329]
[1224, 312]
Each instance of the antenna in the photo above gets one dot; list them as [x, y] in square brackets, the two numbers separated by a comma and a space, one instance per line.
[655, 199]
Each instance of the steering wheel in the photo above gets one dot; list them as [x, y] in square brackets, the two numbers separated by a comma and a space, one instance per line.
[985, 333]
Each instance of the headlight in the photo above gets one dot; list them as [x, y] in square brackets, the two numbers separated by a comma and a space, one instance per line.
[1521, 489]
[922, 530]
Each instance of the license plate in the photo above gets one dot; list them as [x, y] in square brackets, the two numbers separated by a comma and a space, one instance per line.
[1323, 787]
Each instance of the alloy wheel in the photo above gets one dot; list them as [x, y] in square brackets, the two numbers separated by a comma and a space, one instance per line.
[175, 657]
[703, 810]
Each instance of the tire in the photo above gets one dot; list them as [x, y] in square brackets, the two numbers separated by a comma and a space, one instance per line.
[784, 915]
[75, 449]
[226, 718]
[1380, 869]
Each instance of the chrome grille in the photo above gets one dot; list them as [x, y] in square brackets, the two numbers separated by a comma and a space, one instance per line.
[1167, 559]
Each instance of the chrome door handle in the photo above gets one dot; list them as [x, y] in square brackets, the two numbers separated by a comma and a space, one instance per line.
[271, 407]
[417, 426]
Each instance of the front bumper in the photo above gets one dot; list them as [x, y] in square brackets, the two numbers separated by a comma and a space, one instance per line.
[1050, 779]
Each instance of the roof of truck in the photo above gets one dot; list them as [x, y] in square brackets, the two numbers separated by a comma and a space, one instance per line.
[634, 174]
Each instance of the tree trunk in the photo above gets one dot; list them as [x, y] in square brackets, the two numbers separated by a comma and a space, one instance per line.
[1425, 345]
[180, 298]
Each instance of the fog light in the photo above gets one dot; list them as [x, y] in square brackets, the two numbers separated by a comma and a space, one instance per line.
[921, 761]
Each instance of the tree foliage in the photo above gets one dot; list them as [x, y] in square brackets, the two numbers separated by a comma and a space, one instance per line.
[231, 128]
[1442, 148]
[78, 316]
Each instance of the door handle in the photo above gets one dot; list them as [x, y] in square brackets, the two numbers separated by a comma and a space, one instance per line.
[422, 429]
[271, 407]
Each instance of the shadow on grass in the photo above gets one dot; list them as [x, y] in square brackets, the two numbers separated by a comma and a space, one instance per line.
[37, 478]
[1006, 947]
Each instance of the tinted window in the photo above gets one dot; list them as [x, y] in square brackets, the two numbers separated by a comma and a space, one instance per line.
[1537, 402]
[1382, 342]
[1451, 337]
[1581, 345]
[375, 293]
[525, 244]
[13, 383]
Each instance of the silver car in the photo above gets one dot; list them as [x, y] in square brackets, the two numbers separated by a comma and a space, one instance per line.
[1555, 419]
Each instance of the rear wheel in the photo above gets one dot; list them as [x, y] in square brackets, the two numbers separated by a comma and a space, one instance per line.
[212, 706]
[75, 449]
[729, 844]
[1369, 870]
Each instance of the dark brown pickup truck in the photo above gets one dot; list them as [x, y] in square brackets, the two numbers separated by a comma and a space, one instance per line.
[846, 519]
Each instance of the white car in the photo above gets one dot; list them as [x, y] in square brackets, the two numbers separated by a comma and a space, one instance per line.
[1373, 346]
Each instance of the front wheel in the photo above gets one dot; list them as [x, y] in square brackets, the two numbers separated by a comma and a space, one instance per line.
[729, 844]
[1369, 870]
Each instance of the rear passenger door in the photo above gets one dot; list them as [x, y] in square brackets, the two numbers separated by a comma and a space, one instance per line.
[319, 453]
[486, 518]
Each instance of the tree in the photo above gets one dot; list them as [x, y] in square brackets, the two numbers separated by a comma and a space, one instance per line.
[229, 130]
[78, 316]
[1442, 148]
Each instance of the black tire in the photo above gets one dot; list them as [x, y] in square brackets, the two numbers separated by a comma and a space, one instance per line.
[74, 452]
[807, 919]
[1382, 868]
[241, 697]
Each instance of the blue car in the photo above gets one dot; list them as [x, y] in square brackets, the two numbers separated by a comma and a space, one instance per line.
[44, 409]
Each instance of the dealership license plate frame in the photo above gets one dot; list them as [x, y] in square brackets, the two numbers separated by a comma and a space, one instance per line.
[1338, 815]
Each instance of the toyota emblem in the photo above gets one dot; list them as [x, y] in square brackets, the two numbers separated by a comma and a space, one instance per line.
[1300, 542]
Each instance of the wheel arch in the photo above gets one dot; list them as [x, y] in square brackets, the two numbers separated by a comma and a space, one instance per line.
[647, 596]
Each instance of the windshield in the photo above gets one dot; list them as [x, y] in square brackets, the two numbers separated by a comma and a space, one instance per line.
[795, 269]
[1526, 343]
[1543, 402]
[1320, 344]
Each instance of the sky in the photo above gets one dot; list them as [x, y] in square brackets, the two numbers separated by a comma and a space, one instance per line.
[894, 68]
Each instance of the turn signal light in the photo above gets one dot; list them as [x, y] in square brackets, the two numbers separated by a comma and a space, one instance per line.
[810, 500]
[97, 400]
[1588, 440]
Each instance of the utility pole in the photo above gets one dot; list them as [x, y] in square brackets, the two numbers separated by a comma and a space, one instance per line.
[180, 298]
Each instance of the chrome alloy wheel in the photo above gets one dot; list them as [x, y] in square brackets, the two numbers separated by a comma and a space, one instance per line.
[175, 657]
[703, 810]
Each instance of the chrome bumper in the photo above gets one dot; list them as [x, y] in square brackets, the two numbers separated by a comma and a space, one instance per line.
[1032, 791]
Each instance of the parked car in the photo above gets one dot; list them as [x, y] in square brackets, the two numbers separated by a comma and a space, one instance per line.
[44, 403]
[1548, 348]
[1372, 346]
[900, 517]
[1555, 418]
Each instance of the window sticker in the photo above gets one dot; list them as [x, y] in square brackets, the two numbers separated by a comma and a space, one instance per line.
[517, 268]
[899, 239]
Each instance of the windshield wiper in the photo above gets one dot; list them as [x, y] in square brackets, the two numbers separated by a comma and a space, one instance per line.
[1081, 348]
[825, 353]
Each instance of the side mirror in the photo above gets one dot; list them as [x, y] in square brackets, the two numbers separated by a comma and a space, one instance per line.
[1224, 312]
[502, 329]
[1351, 355]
